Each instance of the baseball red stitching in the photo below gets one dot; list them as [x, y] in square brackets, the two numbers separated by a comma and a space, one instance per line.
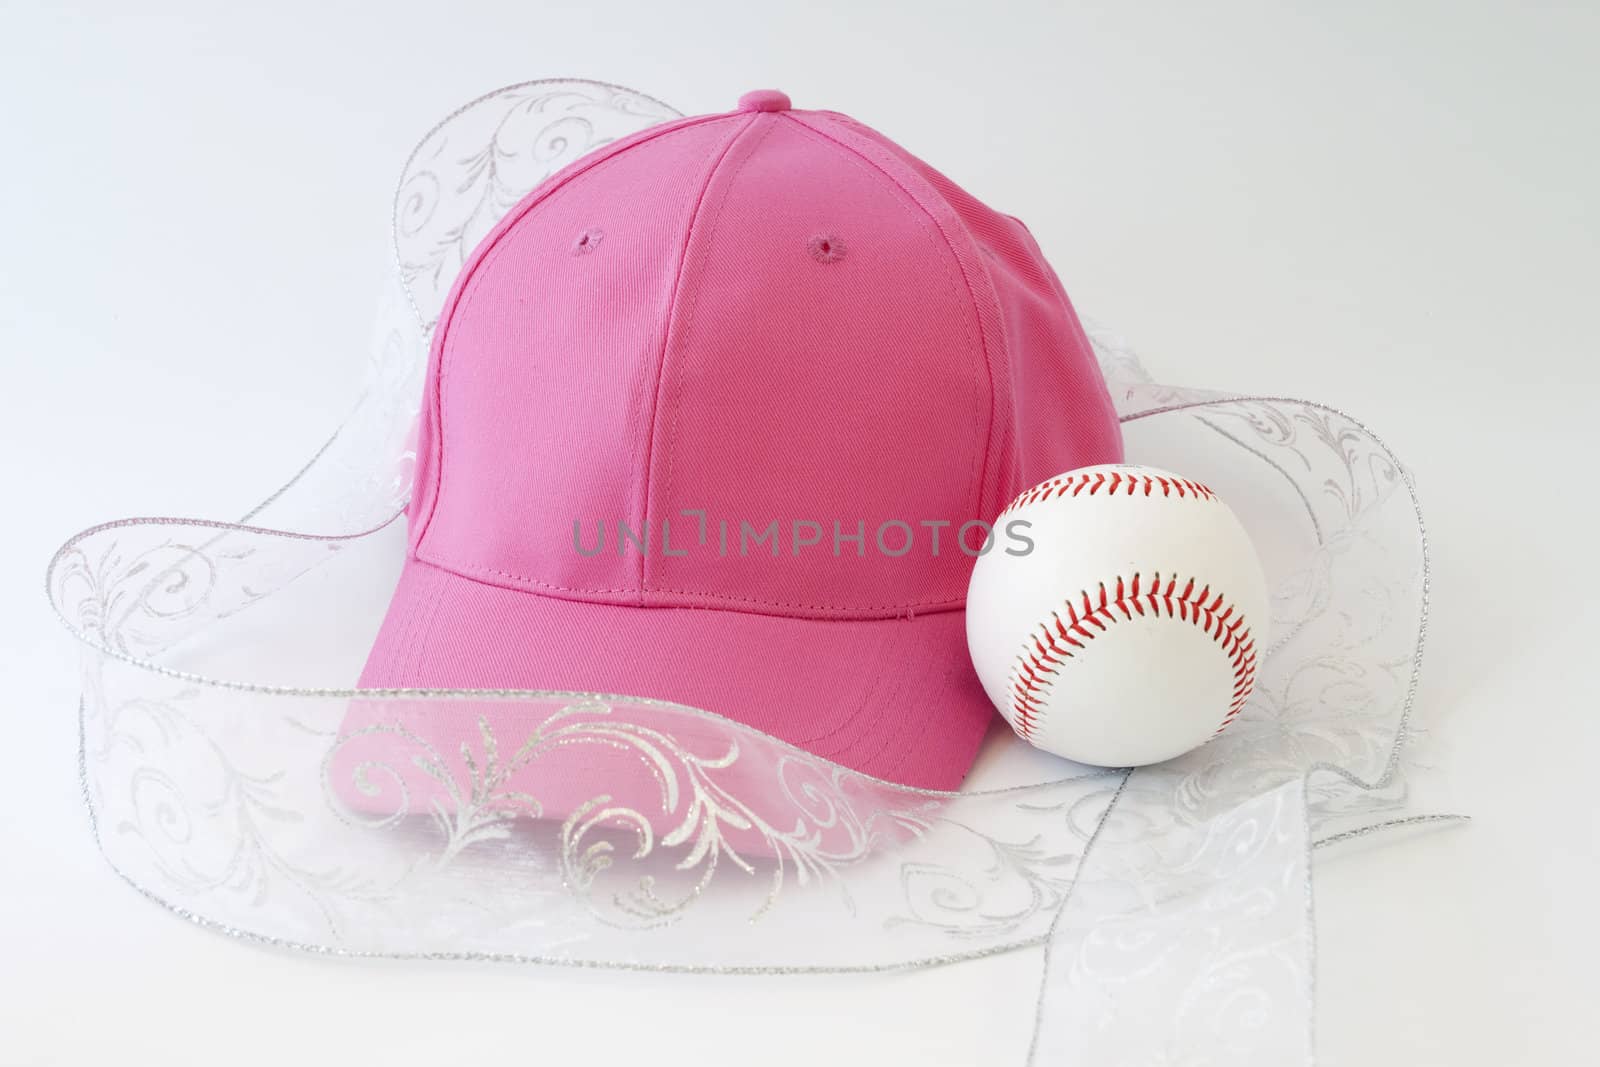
[1059, 639]
[1111, 483]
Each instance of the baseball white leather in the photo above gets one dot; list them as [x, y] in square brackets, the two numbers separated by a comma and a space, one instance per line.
[1130, 632]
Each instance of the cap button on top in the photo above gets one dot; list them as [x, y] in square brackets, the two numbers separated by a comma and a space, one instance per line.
[764, 100]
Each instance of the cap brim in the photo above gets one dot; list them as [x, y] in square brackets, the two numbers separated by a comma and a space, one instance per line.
[896, 698]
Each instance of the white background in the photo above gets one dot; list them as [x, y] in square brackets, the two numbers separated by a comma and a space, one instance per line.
[1390, 207]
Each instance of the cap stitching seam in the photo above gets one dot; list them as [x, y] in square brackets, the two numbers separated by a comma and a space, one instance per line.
[460, 301]
[922, 217]
[860, 154]
[677, 395]
[472, 568]
[925, 218]
[643, 496]
[669, 473]
[475, 262]
[468, 298]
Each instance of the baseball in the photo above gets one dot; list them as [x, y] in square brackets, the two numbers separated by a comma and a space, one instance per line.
[1130, 631]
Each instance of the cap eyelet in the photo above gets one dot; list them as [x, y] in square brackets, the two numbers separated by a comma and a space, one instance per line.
[587, 241]
[826, 248]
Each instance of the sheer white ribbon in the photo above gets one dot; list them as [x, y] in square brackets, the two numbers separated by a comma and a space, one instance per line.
[1174, 901]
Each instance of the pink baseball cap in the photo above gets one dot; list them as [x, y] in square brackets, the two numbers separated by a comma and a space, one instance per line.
[717, 415]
